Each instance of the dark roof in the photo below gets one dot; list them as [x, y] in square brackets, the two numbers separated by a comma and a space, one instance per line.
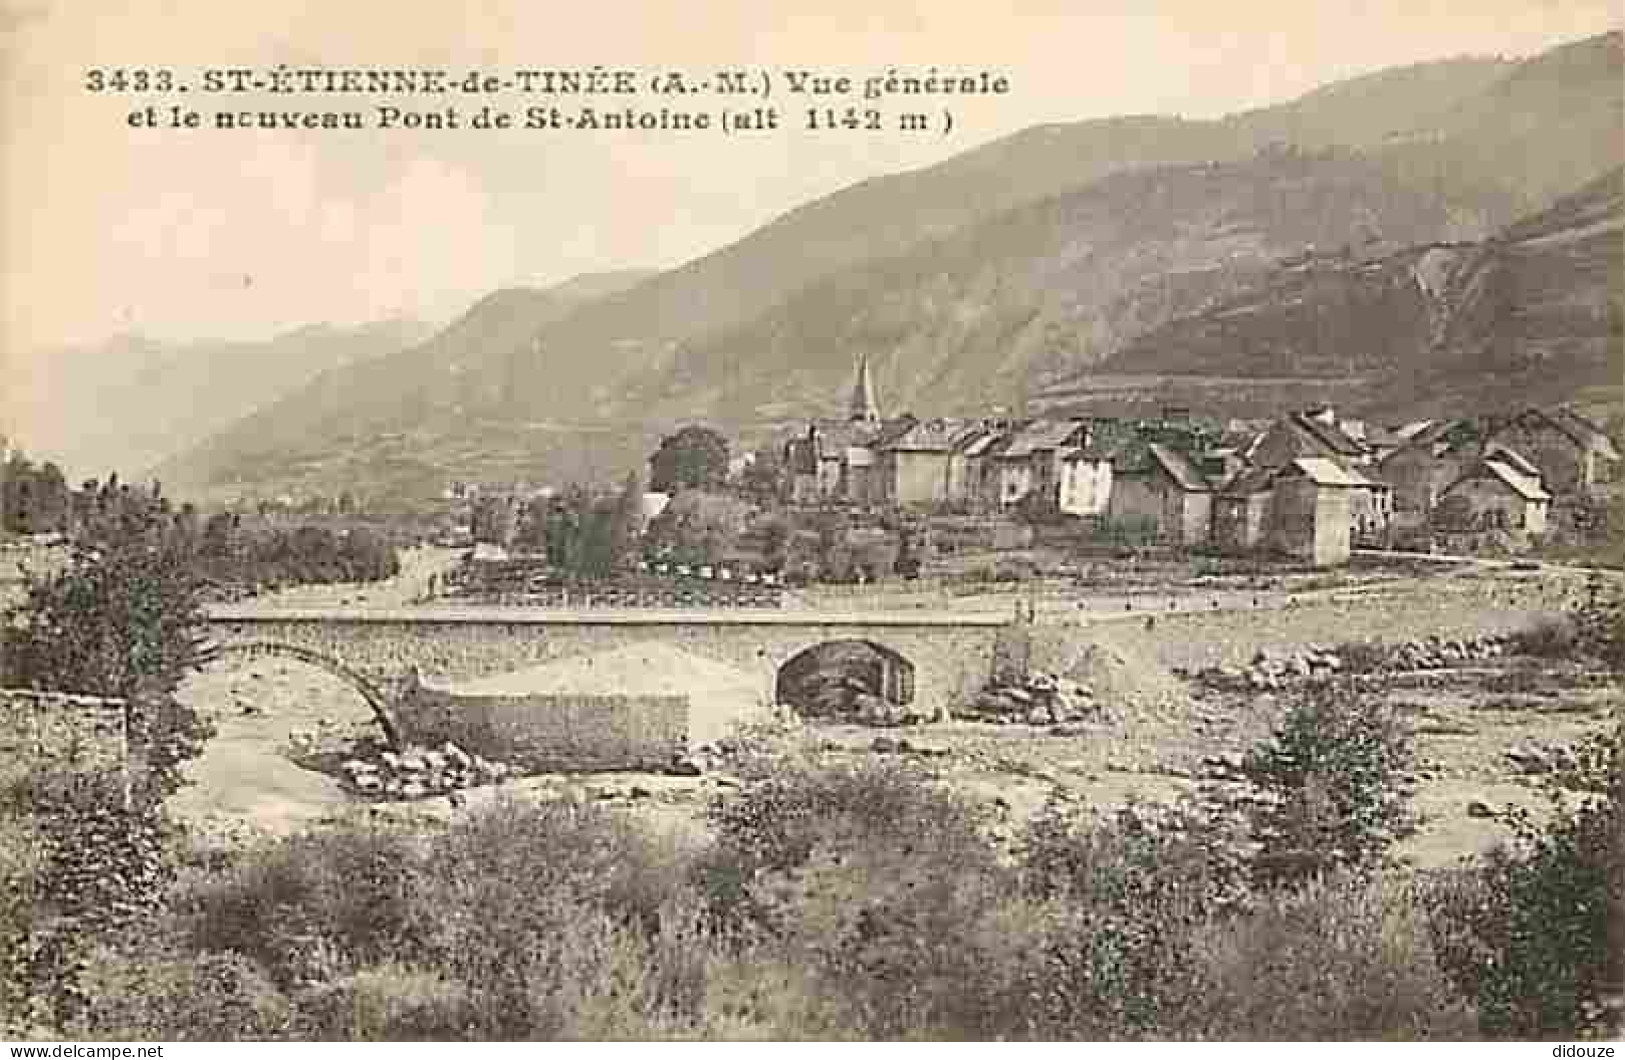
[1040, 434]
[1329, 435]
[1178, 467]
[1526, 486]
[931, 436]
[1579, 430]
[1253, 480]
[1497, 451]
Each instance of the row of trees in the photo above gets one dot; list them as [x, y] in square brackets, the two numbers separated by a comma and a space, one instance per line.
[36, 499]
[223, 548]
[580, 533]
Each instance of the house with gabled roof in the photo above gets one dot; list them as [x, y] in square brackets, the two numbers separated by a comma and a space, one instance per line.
[1241, 509]
[914, 463]
[1575, 456]
[1029, 461]
[1158, 483]
[1312, 509]
[1312, 433]
[1434, 454]
[1499, 492]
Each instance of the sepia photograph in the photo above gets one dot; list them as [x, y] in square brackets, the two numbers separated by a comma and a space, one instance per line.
[1071, 521]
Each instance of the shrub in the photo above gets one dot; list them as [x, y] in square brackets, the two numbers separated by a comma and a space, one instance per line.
[1599, 622]
[1342, 959]
[96, 873]
[1122, 898]
[780, 821]
[313, 906]
[387, 1003]
[173, 995]
[123, 621]
[872, 879]
[1335, 787]
[1552, 638]
[1523, 930]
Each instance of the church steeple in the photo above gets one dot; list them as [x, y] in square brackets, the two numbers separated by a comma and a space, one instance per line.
[864, 407]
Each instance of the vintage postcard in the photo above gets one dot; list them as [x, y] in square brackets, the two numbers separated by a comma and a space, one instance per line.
[804, 521]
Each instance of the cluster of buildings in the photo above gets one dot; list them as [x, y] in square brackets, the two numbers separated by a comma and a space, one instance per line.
[1309, 484]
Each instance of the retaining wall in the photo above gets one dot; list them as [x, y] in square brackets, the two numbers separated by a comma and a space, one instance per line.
[550, 732]
[57, 729]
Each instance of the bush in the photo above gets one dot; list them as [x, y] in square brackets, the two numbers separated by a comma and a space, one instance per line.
[122, 621]
[1523, 930]
[388, 1003]
[95, 873]
[1342, 959]
[1125, 896]
[1335, 787]
[314, 906]
[1552, 638]
[173, 995]
[1599, 623]
[872, 879]
[779, 822]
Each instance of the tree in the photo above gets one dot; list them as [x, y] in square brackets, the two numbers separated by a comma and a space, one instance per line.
[122, 621]
[700, 527]
[1336, 786]
[762, 479]
[694, 457]
[625, 523]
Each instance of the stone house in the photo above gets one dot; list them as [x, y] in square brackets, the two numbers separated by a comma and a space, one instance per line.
[1157, 482]
[836, 461]
[1496, 494]
[1312, 433]
[914, 466]
[1029, 463]
[1241, 510]
[1085, 483]
[1433, 456]
[1574, 455]
[1311, 511]
[966, 460]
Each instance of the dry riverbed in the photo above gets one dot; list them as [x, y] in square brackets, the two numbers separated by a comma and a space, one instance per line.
[1151, 742]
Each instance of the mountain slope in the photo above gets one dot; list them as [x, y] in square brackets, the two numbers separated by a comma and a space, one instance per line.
[984, 278]
[983, 316]
[1532, 314]
[329, 411]
[170, 396]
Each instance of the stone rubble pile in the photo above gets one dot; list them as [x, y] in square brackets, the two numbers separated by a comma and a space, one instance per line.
[1040, 699]
[879, 712]
[1274, 669]
[1535, 758]
[417, 773]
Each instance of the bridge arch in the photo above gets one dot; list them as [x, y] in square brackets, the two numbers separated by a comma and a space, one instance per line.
[822, 677]
[375, 696]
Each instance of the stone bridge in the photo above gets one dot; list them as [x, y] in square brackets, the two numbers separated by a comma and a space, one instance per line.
[933, 659]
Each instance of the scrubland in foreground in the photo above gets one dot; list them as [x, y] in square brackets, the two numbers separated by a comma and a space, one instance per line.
[837, 900]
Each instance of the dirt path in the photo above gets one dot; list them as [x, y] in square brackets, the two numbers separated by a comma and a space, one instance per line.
[411, 586]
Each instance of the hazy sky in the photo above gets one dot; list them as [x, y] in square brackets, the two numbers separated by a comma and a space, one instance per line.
[242, 234]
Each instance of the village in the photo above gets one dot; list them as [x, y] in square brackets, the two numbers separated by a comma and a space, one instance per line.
[1310, 485]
